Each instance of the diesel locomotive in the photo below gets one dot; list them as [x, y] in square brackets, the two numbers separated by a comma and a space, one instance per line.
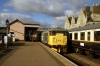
[56, 39]
[86, 39]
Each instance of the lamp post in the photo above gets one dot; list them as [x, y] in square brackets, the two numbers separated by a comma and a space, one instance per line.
[7, 23]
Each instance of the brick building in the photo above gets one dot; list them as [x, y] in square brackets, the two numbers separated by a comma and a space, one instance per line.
[22, 31]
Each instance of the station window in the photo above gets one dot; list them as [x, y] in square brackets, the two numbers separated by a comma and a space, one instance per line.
[96, 35]
[70, 35]
[82, 36]
[88, 35]
[75, 36]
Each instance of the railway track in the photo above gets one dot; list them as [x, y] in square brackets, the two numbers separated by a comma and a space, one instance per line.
[83, 60]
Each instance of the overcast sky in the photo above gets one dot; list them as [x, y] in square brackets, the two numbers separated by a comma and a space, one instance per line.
[47, 13]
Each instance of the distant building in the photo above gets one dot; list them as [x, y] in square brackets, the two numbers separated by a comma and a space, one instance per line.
[2, 30]
[86, 16]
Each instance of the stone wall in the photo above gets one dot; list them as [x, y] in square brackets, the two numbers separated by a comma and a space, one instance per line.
[18, 29]
[96, 13]
[85, 17]
[81, 19]
[67, 24]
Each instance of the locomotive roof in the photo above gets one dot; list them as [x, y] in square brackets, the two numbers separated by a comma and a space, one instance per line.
[57, 29]
[88, 27]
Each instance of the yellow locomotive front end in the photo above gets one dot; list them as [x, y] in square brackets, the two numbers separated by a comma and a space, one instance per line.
[57, 40]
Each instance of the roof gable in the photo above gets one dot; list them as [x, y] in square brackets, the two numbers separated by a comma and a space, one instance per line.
[16, 21]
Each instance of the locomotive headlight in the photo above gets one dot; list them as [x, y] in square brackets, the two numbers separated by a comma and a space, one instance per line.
[53, 39]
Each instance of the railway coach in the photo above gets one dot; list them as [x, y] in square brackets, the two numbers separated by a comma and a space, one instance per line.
[56, 39]
[86, 39]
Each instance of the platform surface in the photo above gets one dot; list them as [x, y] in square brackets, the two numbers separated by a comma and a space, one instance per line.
[32, 54]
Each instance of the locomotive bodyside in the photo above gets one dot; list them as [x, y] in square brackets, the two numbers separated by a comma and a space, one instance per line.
[44, 37]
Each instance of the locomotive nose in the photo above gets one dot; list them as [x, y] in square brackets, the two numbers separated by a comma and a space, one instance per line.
[59, 39]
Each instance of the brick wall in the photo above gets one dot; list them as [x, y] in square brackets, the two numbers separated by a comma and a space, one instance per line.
[18, 29]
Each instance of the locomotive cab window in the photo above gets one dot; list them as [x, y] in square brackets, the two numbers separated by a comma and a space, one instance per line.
[52, 33]
[97, 35]
[82, 36]
[75, 35]
[58, 32]
[62, 32]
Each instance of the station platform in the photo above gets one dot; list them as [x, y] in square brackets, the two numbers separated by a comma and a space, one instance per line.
[32, 54]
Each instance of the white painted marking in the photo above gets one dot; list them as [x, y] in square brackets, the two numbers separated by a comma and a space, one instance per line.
[81, 44]
[65, 58]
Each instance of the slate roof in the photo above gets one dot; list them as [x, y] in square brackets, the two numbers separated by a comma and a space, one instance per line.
[21, 22]
[57, 29]
[15, 22]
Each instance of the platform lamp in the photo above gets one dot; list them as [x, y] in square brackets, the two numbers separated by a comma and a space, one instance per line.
[7, 23]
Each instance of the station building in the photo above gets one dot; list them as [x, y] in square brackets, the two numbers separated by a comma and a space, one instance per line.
[22, 31]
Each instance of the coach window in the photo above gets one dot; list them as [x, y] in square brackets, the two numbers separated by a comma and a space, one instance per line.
[97, 35]
[88, 36]
[70, 35]
[76, 35]
[82, 36]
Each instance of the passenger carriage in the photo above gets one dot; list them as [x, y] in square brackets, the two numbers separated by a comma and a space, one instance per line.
[86, 38]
